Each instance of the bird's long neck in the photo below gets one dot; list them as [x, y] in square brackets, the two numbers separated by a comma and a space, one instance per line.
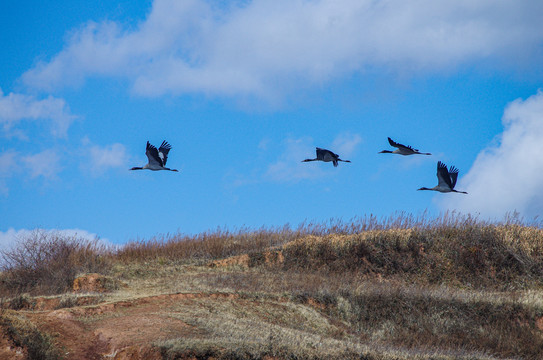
[306, 160]
[425, 188]
[385, 152]
[171, 169]
[137, 168]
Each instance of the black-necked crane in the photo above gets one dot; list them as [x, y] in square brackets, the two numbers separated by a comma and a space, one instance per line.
[446, 179]
[326, 156]
[157, 158]
[402, 149]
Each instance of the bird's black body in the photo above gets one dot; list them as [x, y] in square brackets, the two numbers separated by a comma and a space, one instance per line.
[402, 149]
[326, 156]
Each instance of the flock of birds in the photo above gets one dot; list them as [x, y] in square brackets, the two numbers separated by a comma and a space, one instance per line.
[446, 177]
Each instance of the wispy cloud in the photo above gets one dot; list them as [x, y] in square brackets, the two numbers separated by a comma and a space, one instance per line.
[288, 167]
[8, 161]
[346, 143]
[103, 158]
[8, 167]
[15, 108]
[264, 47]
[506, 176]
[45, 164]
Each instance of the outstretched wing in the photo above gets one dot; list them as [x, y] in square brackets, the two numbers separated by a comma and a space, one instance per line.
[321, 153]
[453, 173]
[443, 177]
[163, 151]
[327, 155]
[152, 155]
[399, 146]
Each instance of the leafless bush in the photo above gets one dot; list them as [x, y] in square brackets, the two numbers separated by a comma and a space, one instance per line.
[47, 263]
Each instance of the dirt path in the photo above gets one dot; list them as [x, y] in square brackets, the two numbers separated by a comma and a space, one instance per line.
[120, 330]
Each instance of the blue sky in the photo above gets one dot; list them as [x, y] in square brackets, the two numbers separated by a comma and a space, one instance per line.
[245, 90]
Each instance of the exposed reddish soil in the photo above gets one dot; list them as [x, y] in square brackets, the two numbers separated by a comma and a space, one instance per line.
[8, 350]
[49, 303]
[539, 323]
[120, 330]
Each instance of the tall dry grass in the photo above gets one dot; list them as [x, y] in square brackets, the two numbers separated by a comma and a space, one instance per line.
[504, 257]
[452, 249]
[221, 243]
[208, 245]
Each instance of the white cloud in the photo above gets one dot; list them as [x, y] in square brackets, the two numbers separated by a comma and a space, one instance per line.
[265, 47]
[107, 157]
[506, 177]
[15, 108]
[9, 238]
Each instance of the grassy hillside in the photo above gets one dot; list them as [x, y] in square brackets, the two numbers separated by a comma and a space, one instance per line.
[395, 288]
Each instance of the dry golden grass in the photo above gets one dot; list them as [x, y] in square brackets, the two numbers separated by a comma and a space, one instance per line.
[488, 257]
[396, 288]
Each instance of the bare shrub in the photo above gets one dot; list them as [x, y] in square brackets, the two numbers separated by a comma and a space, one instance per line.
[47, 263]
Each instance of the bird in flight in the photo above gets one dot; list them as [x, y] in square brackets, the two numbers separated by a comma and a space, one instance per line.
[446, 179]
[326, 156]
[157, 158]
[402, 149]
